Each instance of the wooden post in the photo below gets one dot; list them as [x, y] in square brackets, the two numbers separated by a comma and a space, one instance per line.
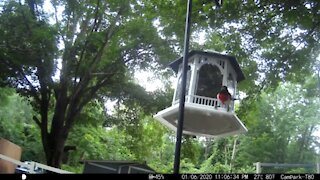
[10, 150]
[258, 167]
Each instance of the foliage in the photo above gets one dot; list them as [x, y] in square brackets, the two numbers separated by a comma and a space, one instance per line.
[73, 169]
[16, 125]
[97, 143]
[288, 124]
[297, 170]
[4, 94]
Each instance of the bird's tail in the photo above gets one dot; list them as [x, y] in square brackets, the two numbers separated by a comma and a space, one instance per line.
[234, 99]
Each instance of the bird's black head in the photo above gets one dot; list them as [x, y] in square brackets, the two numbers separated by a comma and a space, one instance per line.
[224, 88]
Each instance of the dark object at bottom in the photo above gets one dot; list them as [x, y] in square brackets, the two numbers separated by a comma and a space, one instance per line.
[116, 167]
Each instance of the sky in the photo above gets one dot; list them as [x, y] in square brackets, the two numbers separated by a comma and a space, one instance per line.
[149, 81]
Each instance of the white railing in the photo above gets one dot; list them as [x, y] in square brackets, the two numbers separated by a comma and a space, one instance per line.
[259, 166]
[206, 101]
[32, 166]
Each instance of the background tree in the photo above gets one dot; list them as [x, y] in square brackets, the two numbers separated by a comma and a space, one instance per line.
[283, 127]
[17, 126]
[62, 66]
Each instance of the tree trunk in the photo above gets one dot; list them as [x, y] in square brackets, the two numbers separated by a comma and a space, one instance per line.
[304, 142]
[53, 147]
[301, 143]
[55, 153]
[54, 141]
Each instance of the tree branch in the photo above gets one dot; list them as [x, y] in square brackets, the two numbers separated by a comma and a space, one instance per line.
[75, 110]
[93, 29]
[37, 121]
[33, 91]
[86, 77]
[54, 3]
[95, 23]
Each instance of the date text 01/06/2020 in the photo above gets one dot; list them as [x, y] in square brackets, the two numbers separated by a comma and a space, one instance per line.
[248, 176]
[214, 176]
[209, 176]
[242, 176]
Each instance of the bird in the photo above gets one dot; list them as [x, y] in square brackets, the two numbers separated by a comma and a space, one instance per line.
[218, 3]
[224, 97]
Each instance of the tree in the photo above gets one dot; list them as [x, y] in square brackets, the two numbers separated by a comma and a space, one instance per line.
[287, 119]
[63, 65]
[278, 39]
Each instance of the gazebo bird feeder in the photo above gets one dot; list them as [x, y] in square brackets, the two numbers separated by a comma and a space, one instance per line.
[204, 115]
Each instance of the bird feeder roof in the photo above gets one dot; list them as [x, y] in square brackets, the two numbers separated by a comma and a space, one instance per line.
[240, 76]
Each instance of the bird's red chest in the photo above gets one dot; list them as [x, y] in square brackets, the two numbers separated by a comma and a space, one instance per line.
[223, 97]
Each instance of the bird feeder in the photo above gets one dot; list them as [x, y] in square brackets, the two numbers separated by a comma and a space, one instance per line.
[204, 115]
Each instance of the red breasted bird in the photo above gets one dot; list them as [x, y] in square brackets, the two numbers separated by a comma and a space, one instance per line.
[224, 97]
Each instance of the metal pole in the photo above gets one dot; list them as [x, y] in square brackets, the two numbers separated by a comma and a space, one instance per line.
[183, 89]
